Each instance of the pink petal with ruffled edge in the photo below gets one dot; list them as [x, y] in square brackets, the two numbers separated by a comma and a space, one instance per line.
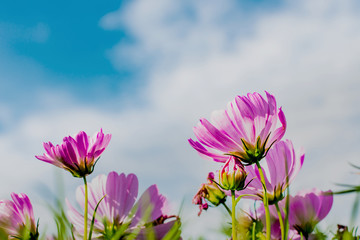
[247, 117]
[121, 193]
[77, 155]
[204, 153]
[309, 206]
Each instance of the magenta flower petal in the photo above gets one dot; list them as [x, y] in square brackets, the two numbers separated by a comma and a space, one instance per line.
[246, 129]
[204, 153]
[77, 155]
[121, 189]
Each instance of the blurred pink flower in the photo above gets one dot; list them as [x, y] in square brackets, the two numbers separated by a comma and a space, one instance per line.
[308, 208]
[77, 155]
[281, 162]
[17, 218]
[118, 208]
[247, 129]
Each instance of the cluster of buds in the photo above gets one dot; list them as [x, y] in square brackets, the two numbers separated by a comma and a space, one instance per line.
[211, 192]
[232, 177]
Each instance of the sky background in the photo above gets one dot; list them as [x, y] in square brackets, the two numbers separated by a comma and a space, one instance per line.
[146, 71]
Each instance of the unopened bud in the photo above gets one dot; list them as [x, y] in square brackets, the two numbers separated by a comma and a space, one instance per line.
[232, 175]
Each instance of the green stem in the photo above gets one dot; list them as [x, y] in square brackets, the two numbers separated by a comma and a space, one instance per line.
[280, 221]
[287, 203]
[266, 203]
[287, 207]
[86, 210]
[253, 230]
[227, 208]
[244, 195]
[234, 237]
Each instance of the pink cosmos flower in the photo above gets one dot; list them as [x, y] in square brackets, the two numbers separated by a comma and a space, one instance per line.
[308, 208]
[246, 129]
[118, 210]
[282, 164]
[77, 155]
[17, 218]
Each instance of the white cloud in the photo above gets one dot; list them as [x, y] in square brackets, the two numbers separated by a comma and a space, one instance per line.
[306, 53]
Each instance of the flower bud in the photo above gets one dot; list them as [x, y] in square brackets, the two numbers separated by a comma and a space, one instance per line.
[232, 175]
[211, 192]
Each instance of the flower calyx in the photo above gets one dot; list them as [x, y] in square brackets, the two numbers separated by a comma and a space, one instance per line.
[252, 152]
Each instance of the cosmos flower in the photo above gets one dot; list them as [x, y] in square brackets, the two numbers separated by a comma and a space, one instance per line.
[17, 218]
[77, 155]
[308, 208]
[282, 164]
[117, 212]
[246, 129]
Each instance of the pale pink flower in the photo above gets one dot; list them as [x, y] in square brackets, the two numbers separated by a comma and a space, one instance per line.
[118, 208]
[77, 155]
[246, 129]
[17, 218]
[280, 167]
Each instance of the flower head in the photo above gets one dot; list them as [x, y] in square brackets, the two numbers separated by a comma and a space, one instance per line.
[116, 195]
[246, 129]
[77, 155]
[282, 165]
[209, 191]
[17, 218]
[232, 175]
[308, 208]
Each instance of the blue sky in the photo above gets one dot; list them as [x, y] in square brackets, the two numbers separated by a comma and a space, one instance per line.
[146, 71]
[70, 41]
[66, 40]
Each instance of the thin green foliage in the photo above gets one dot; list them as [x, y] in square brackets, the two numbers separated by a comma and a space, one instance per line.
[93, 218]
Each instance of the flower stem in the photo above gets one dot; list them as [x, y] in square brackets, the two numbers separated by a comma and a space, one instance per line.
[287, 203]
[234, 237]
[266, 203]
[253, 230]
[85, 209]
[227, 208]
[280, 221]
[287, 207]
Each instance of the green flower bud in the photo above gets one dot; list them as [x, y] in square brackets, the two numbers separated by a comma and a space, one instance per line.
[232, 176]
